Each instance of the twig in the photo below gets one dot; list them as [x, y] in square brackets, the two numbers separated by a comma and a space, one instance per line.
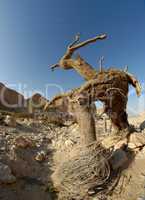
[77, 38]
[54, 66]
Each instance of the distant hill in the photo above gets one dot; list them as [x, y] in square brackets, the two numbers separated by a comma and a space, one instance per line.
[10, 99]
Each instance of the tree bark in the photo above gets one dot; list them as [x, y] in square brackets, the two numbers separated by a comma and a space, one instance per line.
[85, 118]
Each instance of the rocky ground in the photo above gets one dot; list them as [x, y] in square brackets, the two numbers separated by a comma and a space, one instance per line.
[27, 149]
[31, 150]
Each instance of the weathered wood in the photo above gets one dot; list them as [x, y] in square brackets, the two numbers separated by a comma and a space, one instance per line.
[84, 113]
[109, 86]
[78, 63]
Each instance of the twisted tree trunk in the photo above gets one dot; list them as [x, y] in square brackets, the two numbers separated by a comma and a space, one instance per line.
[84, 112]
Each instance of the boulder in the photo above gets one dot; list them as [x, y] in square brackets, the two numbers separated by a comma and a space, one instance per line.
[36, 102]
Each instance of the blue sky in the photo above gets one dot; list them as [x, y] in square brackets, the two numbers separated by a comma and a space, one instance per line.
[34, 34]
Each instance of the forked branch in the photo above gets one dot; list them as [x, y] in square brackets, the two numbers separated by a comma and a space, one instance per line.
[89, 41]
[79, 64]
[77, 38]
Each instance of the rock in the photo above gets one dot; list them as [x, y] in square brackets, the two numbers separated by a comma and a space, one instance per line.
[36, 102]
[10, 121]
[24, 142]
[6, 176]
[2, 148]
[121, 144]
[136, 140]
[141, 198]
[69, 143]
[118, 159]
[111, 141]
[59, 102]
[41, 156]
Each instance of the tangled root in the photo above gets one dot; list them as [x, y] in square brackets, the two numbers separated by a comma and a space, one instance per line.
[86, 173]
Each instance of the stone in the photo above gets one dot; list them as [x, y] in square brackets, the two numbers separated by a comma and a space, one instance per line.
[69, 143]
[24, 142]
[41, 156]
[136, 140]
[10, 121]
[6, 176]
[118, 159]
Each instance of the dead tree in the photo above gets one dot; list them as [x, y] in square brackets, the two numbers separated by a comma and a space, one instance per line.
[89, 165]
[109, 86]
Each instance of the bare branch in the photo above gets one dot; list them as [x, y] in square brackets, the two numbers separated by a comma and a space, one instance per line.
[80, 65]
[77, 38]
[92, 40]
[126, 68]
[101, 60]
[54, 66]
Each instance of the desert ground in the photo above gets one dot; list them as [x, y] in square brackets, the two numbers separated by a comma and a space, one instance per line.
[31, 150]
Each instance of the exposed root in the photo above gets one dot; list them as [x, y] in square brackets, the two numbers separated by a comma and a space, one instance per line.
[85, 174]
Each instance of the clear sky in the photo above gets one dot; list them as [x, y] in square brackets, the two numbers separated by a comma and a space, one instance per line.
[34, 34]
